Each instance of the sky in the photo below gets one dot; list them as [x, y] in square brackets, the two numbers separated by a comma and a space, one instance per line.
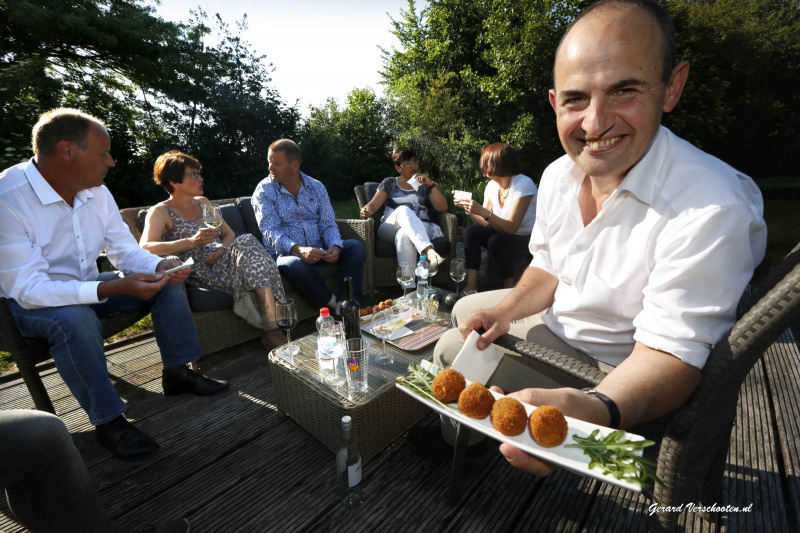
[318, 48]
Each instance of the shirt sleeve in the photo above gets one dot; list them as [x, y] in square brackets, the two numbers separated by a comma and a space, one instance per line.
[266, 211]
[121, 248]
[327, 220]
[691, 296]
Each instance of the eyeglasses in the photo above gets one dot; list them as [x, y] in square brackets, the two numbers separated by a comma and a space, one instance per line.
[194, 175]
[409, 163]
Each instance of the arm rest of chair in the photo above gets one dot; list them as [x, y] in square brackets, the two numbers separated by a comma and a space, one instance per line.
[580, 373]
[364, 231]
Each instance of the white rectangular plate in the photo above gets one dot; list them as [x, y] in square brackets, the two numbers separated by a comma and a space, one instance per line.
[570, 458]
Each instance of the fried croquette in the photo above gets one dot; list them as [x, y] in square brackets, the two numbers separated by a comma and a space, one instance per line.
[508, 416]
[548, 426]
[475, 401]
[448, 384]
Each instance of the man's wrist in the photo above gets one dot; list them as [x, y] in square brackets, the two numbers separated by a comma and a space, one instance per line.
[610, 404]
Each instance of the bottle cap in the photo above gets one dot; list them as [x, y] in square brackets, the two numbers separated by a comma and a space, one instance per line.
[324, 311]
[347, 422]
[423, 257]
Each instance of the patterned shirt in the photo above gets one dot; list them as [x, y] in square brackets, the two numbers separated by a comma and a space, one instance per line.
[284, 220]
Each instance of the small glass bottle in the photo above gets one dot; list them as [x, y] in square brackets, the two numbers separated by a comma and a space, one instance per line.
[348, 468]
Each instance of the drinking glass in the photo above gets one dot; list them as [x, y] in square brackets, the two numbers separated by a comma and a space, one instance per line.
[330, 350]
[405, 275]
[287, 320]
[384, 324]
[458, 272]
[357, 365]
[212, 217]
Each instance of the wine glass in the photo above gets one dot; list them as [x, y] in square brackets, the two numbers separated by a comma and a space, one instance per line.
[405, 275]
[458, 272]
[330, 349]
[287, 320]
[212, 217]
[384, 323]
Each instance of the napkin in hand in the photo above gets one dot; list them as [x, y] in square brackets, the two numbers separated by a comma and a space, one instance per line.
[474, 364]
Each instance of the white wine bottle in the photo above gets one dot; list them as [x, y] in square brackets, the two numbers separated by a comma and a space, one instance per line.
[348, 468]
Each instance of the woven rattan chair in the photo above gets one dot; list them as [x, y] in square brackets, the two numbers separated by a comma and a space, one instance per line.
[385, 255]
[27, 352]
[693, 450]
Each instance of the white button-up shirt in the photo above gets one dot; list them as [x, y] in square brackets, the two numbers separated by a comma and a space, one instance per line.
[48, 249]
[664, 262]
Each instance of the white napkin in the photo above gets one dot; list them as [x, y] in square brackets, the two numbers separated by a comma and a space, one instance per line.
[399, 333]
[474, 364]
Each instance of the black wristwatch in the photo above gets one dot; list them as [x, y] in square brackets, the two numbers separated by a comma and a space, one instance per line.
[613, 410]
[432, 186]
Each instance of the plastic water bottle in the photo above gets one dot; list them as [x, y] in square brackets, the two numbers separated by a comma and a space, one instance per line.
[422, 272]
[324, 318]
[348, 468]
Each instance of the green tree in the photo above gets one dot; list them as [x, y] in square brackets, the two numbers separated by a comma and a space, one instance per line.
[343, 147]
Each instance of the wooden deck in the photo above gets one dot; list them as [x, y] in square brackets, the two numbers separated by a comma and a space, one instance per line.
[229, 463]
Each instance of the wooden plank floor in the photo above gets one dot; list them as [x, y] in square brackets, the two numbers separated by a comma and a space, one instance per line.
[229, 463]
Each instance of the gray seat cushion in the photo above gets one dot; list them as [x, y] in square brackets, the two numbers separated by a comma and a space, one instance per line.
[208, 300]
[249, 217]
[233, 217]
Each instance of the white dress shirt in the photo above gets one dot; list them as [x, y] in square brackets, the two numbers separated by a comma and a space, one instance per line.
[664, 262]
[48, 249]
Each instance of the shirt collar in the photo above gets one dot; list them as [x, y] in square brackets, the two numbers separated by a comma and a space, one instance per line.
[46, 194]
[640, 180]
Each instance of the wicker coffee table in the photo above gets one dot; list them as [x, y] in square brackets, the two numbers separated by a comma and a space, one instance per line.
[380, 415]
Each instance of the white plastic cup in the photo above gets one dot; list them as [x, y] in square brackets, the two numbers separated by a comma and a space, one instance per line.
[414, 182]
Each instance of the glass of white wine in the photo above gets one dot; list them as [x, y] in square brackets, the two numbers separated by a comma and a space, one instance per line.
[457, 272]
[212, 217]
[405, 275]
[384, 324]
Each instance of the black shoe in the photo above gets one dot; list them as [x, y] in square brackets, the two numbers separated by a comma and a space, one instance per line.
[427, 441]
[181, 379]
[124, 440]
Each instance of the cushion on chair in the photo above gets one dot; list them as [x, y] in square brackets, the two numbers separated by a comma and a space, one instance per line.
[370, 188]
[208, 300]
[233, 217]
[140, 216]
[245, 205]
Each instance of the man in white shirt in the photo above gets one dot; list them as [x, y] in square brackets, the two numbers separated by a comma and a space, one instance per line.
[642, 243]
[56, 217]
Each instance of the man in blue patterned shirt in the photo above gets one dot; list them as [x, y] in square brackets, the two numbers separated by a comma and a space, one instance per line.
[299, 228]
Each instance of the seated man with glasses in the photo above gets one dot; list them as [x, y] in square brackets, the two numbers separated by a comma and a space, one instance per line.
[407, 220]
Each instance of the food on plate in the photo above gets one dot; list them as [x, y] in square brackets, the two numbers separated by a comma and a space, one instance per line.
[508, 416]
[475, 401]
[380, 306]
[548, 426]
[448, 384]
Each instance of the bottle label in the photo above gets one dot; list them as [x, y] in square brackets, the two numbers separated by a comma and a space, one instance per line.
[354, 474]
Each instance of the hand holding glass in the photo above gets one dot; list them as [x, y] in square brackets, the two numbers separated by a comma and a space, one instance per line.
[384, 324]
[212, 217]
[287, 320]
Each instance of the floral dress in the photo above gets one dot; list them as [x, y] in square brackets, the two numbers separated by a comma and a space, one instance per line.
[244, 267]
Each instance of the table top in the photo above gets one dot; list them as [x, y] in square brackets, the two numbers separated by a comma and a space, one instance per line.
[381, 378]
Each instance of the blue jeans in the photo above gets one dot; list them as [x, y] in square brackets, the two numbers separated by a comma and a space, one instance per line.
[47, 485]
[306, 279]
[76, 342]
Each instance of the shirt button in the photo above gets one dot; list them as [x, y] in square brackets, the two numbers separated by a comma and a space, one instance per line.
[578, 247]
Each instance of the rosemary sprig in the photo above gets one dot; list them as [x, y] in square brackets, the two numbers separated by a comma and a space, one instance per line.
[618, 456]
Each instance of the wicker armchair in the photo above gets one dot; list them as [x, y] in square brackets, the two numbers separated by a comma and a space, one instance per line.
[384, 255]
[694, 446]
[28, 352]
